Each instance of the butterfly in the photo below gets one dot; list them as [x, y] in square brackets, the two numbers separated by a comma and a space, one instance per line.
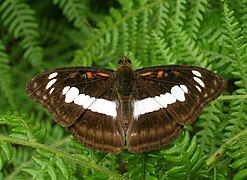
[144, 108]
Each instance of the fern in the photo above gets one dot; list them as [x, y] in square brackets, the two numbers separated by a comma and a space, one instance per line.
[162, 20]
[196, 15]
[187, 48]
[237, 121]
[20, 20]
[49, 165]
[185, 155]
[74, 10]
[179, 11]
[95, 47]
[51, 161]
[6, 78]
[46, 34]
[60, 41]
[243, 17]
[161, 52]
[210, 125]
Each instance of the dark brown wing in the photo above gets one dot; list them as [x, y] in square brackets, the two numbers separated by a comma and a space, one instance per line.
[168, 97]
[74, 96]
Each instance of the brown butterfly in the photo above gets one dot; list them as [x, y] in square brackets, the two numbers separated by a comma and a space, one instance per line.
[150, 105]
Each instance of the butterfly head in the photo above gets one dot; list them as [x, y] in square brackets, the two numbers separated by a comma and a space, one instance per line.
[124, 61]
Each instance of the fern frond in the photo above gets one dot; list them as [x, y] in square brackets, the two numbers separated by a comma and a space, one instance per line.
[209, 122]
[6, 83]
[237, 48]
[20, 19]
[160, 51]
[236, 150]
[133, 33]
[6, 153]
[179, 11]
[217, 56]
[74, 10]
[60, 41]
[48, 166]
[188, 50]
[234, 39]
[23, 128]
[237, 122]
[162, 21]
[142, 38]
[196, 15]
[142, 166]
[243, 17]
[20, 159]
[184, 159]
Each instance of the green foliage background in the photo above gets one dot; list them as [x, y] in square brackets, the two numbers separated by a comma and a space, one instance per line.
[40, 35]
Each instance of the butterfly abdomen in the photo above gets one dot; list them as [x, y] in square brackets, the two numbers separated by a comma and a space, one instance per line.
[125, 114]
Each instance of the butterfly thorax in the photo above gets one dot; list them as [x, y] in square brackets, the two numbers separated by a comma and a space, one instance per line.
[125, 78]
[124, 85]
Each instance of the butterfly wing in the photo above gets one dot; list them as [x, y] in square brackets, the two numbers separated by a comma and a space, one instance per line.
[82, 99]
[166, 98]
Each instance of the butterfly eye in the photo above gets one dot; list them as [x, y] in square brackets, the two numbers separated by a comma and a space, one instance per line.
[129, 61]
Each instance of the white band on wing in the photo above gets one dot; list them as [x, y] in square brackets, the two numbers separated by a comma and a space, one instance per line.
[152, 104]
[98, 105]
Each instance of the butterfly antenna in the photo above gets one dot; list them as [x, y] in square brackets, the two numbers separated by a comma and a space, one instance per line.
[91, 27]
[152, 23]
[150, 26]
[139, 36]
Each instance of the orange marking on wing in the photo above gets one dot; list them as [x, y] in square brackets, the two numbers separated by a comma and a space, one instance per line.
[89, 74]
[147, 73]
[102, 74]
[160, 74]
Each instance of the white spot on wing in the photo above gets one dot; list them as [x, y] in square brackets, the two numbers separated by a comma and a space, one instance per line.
[197, 73]
[184, 88]
[81, 99]
[198, 88]
[88, 103]
[50, 83]
[161, 101]
[65, 90]
[152, 104]
[148, 105]
[199, 81]
[178, 93]
[102, 106]
[145, 106]
[71, 94]
[52, 89]
[168, 98]
[51, 76]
